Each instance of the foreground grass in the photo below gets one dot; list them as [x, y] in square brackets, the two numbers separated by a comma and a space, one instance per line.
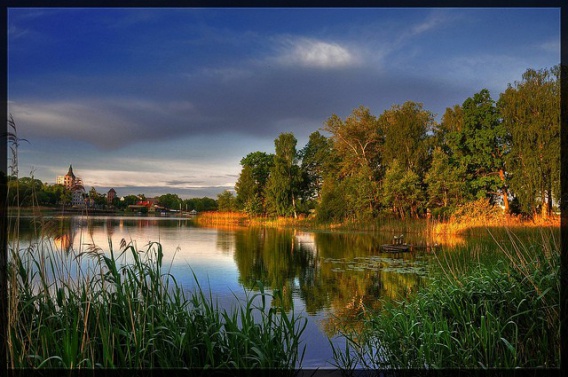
[125, 312]
[502, 314]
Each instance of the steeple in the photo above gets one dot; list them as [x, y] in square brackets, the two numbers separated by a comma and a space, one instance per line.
[70, 173]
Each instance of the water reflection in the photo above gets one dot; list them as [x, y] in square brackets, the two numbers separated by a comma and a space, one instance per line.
[332, 277]
[340, 273]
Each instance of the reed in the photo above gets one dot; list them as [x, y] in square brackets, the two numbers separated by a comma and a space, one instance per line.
[501, 313]
[223, 219]
[122, 310]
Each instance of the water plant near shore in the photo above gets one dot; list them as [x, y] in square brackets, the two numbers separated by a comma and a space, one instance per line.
[124, 311]
[494, 313]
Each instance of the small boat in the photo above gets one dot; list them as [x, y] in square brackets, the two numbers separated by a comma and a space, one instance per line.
[397, 245]
[395, 248]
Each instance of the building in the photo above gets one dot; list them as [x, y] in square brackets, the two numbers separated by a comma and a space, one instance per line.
[111, 194]
[78, 194]
[68, 180]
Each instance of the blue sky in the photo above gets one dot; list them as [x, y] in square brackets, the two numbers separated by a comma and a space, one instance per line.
[169, 100]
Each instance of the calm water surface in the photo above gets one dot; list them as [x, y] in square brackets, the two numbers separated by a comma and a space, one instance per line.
[327, 277]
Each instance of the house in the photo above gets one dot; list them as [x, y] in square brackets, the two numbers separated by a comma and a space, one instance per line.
[78, 194]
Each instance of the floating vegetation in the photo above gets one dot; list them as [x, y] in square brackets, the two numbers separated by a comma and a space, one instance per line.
[379, 263]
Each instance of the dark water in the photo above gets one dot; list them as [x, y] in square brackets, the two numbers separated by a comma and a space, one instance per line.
[330, 278]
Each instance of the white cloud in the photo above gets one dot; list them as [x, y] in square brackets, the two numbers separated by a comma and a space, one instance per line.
[315, 53]
[551, 46]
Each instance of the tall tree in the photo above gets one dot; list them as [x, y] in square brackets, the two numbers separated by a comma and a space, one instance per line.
[356, 141]
[259, 165]
[316, 158]
[226, 201]
[248, 196]
[487, 143]
[356, 148]
[531, 114]
[445, 182]
[281, 187]
[402, 190]
[406, 129]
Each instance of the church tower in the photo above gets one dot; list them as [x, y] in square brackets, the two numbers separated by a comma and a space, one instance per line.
[69, 179]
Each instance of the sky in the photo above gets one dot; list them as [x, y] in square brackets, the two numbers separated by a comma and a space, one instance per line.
[155, 101]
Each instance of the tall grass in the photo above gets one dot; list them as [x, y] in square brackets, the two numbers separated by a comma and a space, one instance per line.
[125, 311]
[500, 314]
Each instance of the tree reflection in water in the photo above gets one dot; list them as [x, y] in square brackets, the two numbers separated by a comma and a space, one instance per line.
[343, 274]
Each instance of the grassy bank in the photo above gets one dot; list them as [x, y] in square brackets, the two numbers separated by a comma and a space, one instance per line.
[125, 311]
[501, 313]
[438, 230]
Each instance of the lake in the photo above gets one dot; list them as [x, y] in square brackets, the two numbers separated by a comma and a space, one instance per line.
[330, 278]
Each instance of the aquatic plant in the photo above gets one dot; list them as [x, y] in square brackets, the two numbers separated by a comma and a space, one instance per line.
[124, 311]
[503, 314]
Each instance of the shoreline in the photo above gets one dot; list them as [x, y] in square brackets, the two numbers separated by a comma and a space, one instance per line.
[433, 227]
[216, 219]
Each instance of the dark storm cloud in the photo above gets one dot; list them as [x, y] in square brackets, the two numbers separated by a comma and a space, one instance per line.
[257, 102]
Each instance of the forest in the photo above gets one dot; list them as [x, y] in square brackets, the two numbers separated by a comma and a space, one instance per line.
[502, 153]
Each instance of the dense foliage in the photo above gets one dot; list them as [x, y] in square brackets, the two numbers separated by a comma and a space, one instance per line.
[404, 164]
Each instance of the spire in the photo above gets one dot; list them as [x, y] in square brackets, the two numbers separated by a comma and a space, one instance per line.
[70, 173]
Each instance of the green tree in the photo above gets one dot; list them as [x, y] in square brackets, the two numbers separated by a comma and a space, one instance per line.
[406, 132]
[531, 114]
[316, 158]
[226, 201]
[98, 199]
[446, 131]
[445, 183]
[200, 204]
[128, 200]
[402, 190]
[487, 143]
[356, 141]
[170, 201]
[282, 185]
[248, 197]
[356, 153]
[260, 163]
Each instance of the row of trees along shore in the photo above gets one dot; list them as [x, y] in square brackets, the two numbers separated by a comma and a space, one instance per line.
[504, 152]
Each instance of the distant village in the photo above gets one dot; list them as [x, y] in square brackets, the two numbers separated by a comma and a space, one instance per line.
[80, 199]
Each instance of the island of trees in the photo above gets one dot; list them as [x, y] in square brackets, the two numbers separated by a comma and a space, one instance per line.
[503, 153]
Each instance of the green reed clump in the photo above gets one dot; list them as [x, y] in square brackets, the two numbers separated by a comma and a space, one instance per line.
[124, 311]
[503, 314]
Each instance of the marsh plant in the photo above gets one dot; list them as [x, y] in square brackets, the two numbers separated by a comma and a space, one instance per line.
[500, 312]
[123, 310]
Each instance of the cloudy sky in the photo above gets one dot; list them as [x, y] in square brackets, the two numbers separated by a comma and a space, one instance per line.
[169, 100]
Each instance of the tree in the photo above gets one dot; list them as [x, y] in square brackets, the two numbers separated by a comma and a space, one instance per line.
[531, 114]
[356, 141]
[281, 188]
[98, 199]
[316, 160]
[445, 183]
[200, 204]
[260, 164]
[402, 190]
[226, 201]
[485, 138]
[170, 201]
[356, 146]
[248, 198]
[476, 143]
[405, 129]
